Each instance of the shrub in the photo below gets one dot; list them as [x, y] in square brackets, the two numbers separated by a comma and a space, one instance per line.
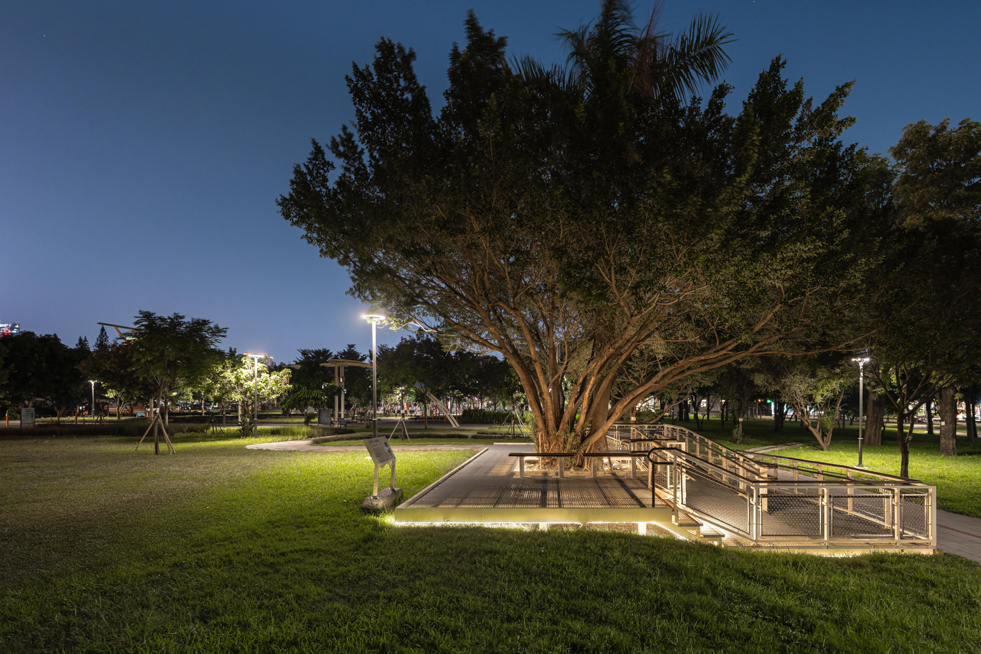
[133, 428]
[482, 416]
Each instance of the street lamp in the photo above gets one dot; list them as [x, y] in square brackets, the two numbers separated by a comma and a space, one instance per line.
[861, 361]
[256, 356]
[374, 319]
[92, 381]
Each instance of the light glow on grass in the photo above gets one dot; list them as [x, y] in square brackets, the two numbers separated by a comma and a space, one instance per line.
[226, 549]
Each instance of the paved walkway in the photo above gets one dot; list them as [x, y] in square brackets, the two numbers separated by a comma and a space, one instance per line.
[959, 534]
[956, 534]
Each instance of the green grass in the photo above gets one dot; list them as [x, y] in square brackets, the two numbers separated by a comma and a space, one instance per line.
[756, 432]
[220, 548]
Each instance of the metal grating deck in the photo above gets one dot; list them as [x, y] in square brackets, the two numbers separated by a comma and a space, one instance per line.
[488, 489]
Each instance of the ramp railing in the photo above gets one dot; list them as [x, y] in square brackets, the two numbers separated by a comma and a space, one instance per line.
[770, 499]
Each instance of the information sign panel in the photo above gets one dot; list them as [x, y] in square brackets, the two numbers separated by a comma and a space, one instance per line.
[379, 449]
[382, 455]
[27, 417]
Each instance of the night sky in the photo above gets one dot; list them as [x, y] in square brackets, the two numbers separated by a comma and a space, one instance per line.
[143, 144]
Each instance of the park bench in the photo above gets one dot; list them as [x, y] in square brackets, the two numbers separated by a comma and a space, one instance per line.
[590, 456]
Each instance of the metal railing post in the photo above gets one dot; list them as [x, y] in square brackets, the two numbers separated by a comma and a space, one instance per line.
[825, 513]
[897, 527]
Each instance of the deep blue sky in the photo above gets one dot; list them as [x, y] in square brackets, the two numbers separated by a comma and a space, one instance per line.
[143, 144]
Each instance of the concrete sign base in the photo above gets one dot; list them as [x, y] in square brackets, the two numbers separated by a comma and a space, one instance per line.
[386, 499]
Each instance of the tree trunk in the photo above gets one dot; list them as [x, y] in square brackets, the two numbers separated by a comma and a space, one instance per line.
[948, 421]
[903, 445]
[779, 415]
[972, 425]
[874, 420]
[929, 418]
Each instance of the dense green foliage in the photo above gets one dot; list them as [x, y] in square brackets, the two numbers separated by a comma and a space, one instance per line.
[576, 228]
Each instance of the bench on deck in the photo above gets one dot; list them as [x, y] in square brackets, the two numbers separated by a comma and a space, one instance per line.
[590, 456]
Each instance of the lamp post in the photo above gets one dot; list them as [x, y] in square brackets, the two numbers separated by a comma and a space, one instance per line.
[374, 319]
[255, 357]
[92, 381]
[861, 361]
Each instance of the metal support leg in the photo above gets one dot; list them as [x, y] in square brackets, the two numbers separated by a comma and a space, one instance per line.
[825, 514]
[897, 527]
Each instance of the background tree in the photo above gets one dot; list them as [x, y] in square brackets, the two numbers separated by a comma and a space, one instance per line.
[311, 384]
[216, 386]
[419, 359]
[111, 364]
[41, 371]
[565, 232]
[928, 338]
[814, 386]
[173, 354]
[939, 194]
[737, 388]
[357, 380]
[4, 375]
[245, 380]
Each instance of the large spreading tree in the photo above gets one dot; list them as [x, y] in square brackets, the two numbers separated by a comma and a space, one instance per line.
[576, 223]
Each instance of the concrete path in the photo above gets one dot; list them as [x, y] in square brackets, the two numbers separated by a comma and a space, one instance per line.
[959, 534]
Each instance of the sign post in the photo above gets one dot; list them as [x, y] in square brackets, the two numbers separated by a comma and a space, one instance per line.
[381, 455]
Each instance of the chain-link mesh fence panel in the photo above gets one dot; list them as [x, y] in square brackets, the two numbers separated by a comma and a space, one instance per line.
[913, 514]
[785, 514]
[861, 514]
[724, 503]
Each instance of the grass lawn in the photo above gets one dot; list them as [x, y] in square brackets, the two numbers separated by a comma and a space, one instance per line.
[220, 548]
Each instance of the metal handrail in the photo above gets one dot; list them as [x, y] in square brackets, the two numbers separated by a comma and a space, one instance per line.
[754, 457]
[826, 502]
[851, 469]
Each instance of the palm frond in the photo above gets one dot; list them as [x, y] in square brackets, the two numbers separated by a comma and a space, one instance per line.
[695, 57]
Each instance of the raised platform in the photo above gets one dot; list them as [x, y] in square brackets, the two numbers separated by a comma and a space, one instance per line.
[487, 489]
